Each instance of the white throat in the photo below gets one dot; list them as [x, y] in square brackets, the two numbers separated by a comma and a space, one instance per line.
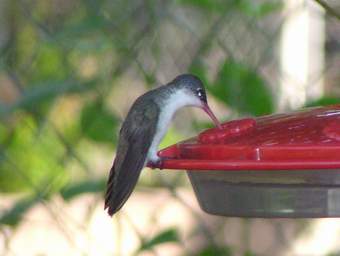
[177, 100]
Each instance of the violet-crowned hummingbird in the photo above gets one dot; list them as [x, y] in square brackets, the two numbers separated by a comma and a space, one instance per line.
[142, 131]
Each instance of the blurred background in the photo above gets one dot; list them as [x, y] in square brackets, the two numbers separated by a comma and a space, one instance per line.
[70, 70]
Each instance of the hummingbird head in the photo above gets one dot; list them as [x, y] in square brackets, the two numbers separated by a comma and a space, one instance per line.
[193, 87]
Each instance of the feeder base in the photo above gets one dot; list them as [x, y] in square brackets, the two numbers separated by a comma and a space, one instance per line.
[268, 194]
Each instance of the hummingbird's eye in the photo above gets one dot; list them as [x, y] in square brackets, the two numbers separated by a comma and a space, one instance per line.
[201, 94]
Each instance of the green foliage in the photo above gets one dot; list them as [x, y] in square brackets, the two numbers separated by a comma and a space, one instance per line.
[324, 101]
[13, 216]
[49, 64]
[249, 253]
[4, 135]
[257, 9]
[81, 27]
[215, 251]
[97, 123]
[88, 186]
[207, 5]
[165, 236]
[239, 87]
[32, 158]
[39, 98]
[247, 7]
[242, 89]
[333, 254]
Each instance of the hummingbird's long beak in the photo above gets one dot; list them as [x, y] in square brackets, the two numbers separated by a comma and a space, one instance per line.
[206, 108]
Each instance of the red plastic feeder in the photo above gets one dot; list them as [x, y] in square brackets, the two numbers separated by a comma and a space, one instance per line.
[282, 165]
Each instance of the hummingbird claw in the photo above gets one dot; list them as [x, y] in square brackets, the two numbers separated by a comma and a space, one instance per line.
[156, 164]
[153, 164]
[159, 163]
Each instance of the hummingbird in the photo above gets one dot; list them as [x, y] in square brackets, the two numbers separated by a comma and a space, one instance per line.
[142, 131]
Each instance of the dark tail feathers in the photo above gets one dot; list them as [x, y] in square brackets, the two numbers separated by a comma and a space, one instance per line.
[119, 188]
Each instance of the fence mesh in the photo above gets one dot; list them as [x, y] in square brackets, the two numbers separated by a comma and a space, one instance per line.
[69, 71]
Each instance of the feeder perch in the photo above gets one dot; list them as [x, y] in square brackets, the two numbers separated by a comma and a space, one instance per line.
[281, 165]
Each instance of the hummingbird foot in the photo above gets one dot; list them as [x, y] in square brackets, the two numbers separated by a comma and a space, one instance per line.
[156, 164]
[159, 163]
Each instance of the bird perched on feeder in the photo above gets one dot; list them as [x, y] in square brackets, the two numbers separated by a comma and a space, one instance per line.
[142, 131]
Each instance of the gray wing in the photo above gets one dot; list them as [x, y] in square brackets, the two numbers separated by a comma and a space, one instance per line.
[134, 143]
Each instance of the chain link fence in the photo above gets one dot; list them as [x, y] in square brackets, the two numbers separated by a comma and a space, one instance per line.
[70, 70]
